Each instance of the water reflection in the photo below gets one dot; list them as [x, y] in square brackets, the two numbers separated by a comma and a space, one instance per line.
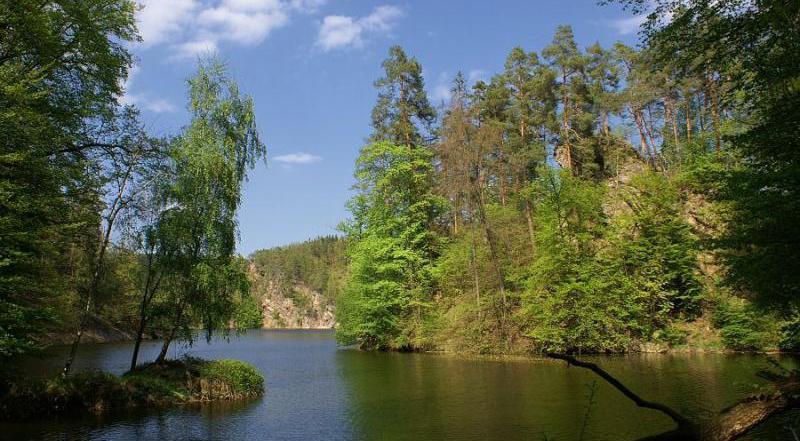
[316, 391]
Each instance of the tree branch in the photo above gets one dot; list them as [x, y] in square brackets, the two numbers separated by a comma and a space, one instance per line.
[679, 419]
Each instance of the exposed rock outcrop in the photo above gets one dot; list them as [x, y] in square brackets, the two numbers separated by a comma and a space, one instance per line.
[299, 308]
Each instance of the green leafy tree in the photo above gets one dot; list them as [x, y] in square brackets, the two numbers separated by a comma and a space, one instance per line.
[392, 249]
[61, 66]
[758, 187]
[211, 160]
[569, 306]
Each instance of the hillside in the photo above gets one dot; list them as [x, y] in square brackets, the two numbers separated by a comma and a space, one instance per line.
[295, 286]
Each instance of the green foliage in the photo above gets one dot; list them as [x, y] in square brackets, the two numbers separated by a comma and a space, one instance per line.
[603, 284]
[402, 112]
[672, 336]
[180, 381]
[211, 160]
[755, 182]
[571, 306]
[653, 244]
[60, 69]
[248, 313]
[391, 248]
[744, 327]
[243, 378]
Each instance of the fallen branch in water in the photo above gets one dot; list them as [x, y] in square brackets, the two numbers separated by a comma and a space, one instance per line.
[730, 424]
[683, 423]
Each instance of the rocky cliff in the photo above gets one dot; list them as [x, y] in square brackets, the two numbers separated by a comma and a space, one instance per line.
[296, 284]
[299, 307]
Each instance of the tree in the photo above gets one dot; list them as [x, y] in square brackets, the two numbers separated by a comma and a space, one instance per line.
[211, 160]
[61, 67]
[402, 115]
[531, 115]
[392, 249]
[755, 50]
[567, 60]
[125, 173]
[570, 306]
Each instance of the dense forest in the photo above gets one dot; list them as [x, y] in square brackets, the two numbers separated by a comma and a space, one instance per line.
[100, 220]
[597, 199]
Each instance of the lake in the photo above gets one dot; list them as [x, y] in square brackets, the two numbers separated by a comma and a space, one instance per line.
[316, 390]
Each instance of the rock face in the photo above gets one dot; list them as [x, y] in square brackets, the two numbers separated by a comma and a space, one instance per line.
[297, 307]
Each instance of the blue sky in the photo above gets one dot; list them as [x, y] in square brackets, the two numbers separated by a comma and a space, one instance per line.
[310, 65]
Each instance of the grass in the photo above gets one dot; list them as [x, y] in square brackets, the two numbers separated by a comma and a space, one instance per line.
[171, 383]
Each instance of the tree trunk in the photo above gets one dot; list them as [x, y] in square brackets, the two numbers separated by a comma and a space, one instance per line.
[89, 297]
[529, 219]
[113, 212]
[644, 148]
[689, 119]
[713, 91]
[168, 339]
[165, 346]
[490, 240]
[567, 161]
[147, 297]
[455, 217]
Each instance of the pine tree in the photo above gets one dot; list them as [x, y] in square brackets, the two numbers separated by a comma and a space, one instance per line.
[402, 115]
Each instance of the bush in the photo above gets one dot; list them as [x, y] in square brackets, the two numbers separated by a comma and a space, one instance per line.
[243, 378]
[671, 335]
[790, 334]
[744, 328]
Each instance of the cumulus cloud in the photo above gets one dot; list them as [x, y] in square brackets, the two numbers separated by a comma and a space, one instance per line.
[243, 21]
[340, 31]
[297, 158]
[628, 25]
[160, 20]
[191, 27]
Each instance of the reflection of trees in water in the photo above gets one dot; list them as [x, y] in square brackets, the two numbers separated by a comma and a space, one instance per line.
[422, 396]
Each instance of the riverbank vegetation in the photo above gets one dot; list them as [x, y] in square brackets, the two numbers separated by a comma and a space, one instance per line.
[100, 221]
[184, 381]
[596, 199]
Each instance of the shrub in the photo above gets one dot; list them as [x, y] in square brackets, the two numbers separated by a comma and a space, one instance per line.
[242, 378]
[671, 335]
[744, 328]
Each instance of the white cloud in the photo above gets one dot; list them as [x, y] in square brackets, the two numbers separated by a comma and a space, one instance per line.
[190, 27]
[193, 49]
[158, 105]
[142, 100]
[628, 25]
[340, 31]
[243, 21]
[307, 6]
[160, 20]
[297, 158]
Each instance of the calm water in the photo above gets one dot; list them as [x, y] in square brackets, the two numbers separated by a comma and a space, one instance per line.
[318, 391]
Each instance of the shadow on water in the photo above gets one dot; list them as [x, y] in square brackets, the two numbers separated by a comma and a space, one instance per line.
[317, 391]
